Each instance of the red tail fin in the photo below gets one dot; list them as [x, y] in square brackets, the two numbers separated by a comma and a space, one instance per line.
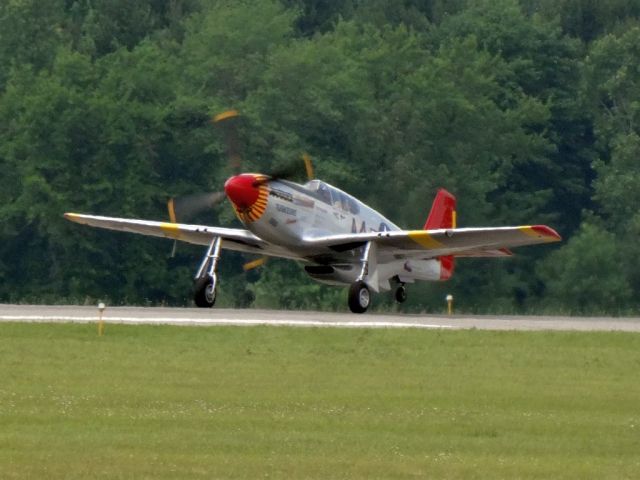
[443, 211]
[443, 215]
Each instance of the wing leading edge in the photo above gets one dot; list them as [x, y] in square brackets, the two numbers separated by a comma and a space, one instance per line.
[463, 242]
[233, 238]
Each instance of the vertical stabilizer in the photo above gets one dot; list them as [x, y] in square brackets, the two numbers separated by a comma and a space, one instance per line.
[443, 211]
[443, 215]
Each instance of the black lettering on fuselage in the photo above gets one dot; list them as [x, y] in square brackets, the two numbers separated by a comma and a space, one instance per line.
[281, 194]
[363, 227]
[354, 226]
[286, 210]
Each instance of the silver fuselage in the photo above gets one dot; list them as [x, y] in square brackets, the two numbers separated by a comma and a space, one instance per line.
[295, 213]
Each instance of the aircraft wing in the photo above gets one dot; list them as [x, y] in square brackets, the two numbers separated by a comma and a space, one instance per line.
[232, 238]
[464, 242]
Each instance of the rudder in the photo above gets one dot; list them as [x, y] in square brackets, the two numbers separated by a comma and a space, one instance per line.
[443, 215]
[443, 211]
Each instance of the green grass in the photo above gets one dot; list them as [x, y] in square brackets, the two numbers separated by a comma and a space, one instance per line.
[260, 402]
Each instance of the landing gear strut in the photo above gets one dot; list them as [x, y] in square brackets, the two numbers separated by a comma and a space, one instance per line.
[206, 279]
[359, 294]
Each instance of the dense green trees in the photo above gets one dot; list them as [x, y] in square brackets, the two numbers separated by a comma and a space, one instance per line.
[612, 88]
[527, 110]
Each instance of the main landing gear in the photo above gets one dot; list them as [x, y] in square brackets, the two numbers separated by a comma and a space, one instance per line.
[359, 294]
[400, 294]
[206, 279]
[359, 297]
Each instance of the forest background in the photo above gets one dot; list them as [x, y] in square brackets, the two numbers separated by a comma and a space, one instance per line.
[528, 110]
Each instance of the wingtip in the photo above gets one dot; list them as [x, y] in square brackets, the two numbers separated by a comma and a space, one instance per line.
[547, 232]
[73, 217]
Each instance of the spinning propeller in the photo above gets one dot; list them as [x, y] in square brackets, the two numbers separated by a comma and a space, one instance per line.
[185, 208]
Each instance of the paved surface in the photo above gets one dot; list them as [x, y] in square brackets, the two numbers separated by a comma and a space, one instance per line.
[196, 316]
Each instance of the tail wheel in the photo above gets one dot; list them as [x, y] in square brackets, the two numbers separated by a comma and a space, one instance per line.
[359, 297]
[205, 292]
[401, 294]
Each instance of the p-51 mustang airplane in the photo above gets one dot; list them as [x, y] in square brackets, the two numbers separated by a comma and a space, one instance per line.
[338, 239]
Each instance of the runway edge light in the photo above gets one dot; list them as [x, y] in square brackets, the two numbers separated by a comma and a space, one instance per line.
[449, 299]
[101, 307]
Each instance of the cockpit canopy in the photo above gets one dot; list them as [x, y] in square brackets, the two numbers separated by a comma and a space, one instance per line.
[332, 196]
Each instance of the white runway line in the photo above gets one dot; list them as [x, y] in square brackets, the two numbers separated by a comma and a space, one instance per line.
[249, 317]
[217, 321]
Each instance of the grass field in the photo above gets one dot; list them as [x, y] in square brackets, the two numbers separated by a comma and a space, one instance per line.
[265, 402]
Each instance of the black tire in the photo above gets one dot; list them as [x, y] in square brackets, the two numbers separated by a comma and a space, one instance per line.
[204, 292]
[401, 294]
[359, 297]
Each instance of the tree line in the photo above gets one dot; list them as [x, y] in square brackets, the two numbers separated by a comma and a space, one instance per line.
[527, 110]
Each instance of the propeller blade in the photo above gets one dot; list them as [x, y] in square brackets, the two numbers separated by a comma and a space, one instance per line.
[254, 264]
[226, 115]
[183, 209]
[308, 165]
[228, 122]
[290, 171]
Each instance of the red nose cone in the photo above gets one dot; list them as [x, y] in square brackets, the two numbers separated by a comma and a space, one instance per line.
[242, 190]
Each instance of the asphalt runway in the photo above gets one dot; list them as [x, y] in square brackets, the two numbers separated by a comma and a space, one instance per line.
[207, 317]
